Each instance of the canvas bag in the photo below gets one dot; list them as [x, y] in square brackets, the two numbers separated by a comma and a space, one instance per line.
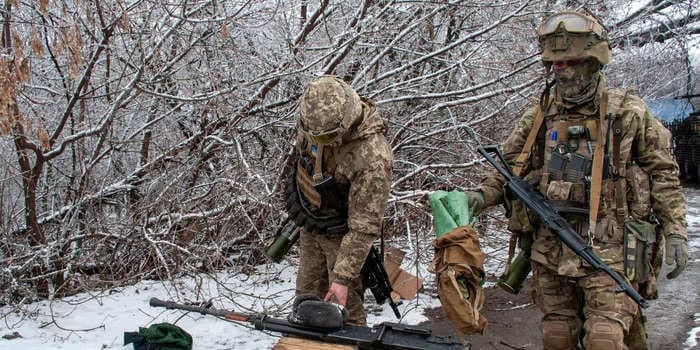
[458, 265]
[458, 262]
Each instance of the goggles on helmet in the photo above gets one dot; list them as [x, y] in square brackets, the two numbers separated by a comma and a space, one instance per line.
[322, 137]
[572, 22]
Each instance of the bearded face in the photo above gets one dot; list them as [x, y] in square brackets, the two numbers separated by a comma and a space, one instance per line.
[576, 77]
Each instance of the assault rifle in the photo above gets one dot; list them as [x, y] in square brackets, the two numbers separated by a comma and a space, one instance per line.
[383, 336]
[534, 200]
[377, 280]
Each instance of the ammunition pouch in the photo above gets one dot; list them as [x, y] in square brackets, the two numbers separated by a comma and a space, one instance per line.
[519, 221]
[640, 239]
[318, 208]
[578, 167]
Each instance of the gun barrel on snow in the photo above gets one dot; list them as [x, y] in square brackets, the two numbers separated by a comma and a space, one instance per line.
[385, 335]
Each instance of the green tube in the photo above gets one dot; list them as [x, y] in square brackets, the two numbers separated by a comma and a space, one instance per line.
[512, 280]
[281, 245]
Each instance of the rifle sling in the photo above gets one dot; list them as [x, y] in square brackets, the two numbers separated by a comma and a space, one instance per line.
[620, 169]
[524, 155]
[598, 155]
[519, 165]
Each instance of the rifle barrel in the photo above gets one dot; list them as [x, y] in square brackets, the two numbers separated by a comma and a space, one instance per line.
[234, 316]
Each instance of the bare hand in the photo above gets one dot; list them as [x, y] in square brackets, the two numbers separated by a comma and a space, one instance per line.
[339, 291]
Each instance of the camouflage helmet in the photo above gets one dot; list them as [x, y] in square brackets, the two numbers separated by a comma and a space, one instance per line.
[572, 35]
[328, 108]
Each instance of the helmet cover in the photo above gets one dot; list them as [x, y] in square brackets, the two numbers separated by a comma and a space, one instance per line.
[327, 109]
[570, 35]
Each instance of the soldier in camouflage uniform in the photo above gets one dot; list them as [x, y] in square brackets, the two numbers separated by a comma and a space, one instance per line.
[603, 161]
[338, 191]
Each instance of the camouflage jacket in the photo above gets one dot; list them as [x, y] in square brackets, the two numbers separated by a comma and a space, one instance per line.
[363, 161]
[646, 173]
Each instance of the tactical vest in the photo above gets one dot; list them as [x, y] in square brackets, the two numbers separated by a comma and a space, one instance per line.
[559, 161]
[314, 199]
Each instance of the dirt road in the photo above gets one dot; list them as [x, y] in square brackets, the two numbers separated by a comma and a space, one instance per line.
[514, 321]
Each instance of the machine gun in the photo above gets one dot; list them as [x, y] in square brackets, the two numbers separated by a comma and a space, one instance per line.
[383, 336]
[539, 205]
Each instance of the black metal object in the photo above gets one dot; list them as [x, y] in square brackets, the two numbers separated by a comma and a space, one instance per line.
[385, 335]
[539, 205]
[377, 280]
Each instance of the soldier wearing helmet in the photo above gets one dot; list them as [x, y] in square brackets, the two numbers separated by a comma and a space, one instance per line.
[604, 163]
[338, 190]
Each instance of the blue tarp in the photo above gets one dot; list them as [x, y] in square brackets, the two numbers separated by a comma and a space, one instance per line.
[669, 109]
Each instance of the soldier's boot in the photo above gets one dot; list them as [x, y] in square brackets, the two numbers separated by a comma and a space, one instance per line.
[636, 338]
[603, 334]
[559, 332]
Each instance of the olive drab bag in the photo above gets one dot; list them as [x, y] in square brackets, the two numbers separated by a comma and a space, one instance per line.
[159, 336]
[458, 262]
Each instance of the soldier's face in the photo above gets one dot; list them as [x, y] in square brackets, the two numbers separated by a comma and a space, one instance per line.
[574, 77]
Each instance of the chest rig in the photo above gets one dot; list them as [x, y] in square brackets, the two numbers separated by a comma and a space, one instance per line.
[314, 199]
[575, 155]
[569, 144]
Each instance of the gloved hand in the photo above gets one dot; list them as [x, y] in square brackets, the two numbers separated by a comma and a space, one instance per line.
[676, 251]
[476, 201]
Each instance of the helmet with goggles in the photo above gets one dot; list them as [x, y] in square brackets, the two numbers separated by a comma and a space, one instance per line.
[569, 35]
[327, 110]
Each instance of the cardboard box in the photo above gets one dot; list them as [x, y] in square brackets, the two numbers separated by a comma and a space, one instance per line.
[405, 285]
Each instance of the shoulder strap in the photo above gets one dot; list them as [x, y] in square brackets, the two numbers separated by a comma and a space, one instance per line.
[620, 166]
[524, 155]
[597, 173]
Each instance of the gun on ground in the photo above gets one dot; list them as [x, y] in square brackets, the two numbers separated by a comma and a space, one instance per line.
[373, 271]
[383, 336]
[534, 200]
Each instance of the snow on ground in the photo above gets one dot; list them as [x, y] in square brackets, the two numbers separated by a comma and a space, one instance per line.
[693, 217]
[98, 320]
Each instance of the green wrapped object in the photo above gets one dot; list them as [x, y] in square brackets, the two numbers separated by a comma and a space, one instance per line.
[450, 210]
[161, 336]
[443, 220]
[458, 207]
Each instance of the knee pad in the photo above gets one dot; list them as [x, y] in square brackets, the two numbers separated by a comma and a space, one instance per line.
[559, 333]
[604, 334]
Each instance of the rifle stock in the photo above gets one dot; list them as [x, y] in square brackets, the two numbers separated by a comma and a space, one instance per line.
[539, 205]
[386, 335]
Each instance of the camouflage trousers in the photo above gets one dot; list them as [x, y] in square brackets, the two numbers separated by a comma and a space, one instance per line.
[317, 255]
[582, 309]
